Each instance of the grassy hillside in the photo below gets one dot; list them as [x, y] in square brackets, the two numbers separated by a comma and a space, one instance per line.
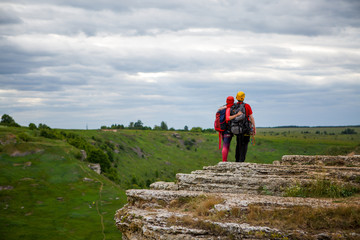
[273, 143]
[146, 156]
[45, 194]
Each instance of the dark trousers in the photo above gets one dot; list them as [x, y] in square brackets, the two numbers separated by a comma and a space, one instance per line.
[241, 147]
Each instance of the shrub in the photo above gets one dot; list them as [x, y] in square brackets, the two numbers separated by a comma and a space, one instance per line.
[98, 156]
[43, 126]
[348, 131]
[24, 136]
[112, 175]
[196, 129]
[79, 142]
[32, 126]
[189, 143]
[49, 133]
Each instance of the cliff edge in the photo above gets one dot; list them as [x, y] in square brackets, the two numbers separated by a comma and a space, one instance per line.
[250, 201]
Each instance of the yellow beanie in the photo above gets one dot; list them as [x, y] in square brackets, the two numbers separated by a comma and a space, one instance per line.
[240, 96]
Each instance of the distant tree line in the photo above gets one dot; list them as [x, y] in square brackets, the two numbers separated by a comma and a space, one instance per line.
[7, 120]
[138, 125]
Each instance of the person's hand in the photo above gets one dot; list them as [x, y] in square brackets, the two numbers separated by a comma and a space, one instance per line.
[238, 114]
[254, 131]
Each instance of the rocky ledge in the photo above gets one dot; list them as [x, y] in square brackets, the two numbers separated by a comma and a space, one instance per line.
[247, 201]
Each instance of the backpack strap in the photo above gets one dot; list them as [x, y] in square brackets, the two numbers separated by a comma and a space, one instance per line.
[219, 140]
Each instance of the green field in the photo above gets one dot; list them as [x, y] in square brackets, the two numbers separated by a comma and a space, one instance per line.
[46, 192]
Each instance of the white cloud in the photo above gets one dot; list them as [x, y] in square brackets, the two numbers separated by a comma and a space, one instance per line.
[116, 62]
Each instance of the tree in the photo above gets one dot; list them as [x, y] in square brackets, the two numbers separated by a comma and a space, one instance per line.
[209, 130]
[138, 124]
[43, 126]
[7, 120]
[117, 126]
[348, 131]
[131, 125]
[186, 128]
[98, 156]
[32, 126]
[163, 126]
[196, 129]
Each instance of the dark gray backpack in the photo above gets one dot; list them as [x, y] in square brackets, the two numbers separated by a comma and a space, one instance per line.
[240, 124]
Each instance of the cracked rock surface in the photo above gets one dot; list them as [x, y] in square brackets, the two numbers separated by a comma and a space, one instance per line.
[233, 191]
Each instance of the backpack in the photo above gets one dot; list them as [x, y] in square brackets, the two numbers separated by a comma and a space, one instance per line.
[220, 124]
[240, 124]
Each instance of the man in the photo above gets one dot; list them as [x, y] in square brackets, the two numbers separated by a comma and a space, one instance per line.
[243, 138]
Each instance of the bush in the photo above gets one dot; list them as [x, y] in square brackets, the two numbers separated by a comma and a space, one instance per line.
[43, 126]
[24, 136]
[196, 129]
[32, 126]
[79, 142]
[98, 156]
[189, 143]
[112, 175]
[49, 133]
[348, 131]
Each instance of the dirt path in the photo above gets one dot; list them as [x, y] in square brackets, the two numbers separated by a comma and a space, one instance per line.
[97, 209]
[97, 203]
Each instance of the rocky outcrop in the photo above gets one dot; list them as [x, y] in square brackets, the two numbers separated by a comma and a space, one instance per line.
[253, 178]
[323, 160]
[243, 201]
[95, 167]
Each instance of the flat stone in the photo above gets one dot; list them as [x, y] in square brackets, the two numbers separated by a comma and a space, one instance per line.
[150, 213]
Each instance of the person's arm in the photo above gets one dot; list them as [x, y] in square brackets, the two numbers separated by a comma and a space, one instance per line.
[234, 116]
[223, 107]
[228, 117]
[252, 120]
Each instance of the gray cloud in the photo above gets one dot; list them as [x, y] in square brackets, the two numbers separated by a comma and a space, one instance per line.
[139, 17]
[8, 18]
[68, 63]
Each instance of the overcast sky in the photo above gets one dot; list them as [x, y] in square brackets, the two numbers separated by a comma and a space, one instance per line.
[72, 64]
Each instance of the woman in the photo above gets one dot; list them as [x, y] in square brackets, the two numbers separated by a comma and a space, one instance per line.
[227, 135]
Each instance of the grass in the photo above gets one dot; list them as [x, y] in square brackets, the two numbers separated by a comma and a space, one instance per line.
[201, 205]
[343, 218]
[50, 198]
[273, 143]
[159, 155]
[321, 188]
[200, 214]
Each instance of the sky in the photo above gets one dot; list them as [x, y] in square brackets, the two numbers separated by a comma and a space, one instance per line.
[85, 64]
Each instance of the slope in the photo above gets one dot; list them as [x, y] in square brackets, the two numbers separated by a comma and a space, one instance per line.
[47, 193]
